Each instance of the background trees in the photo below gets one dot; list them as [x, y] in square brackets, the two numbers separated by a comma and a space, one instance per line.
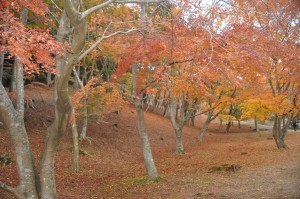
[265, 37]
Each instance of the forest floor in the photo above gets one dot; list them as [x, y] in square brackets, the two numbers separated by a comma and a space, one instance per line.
[113, 165]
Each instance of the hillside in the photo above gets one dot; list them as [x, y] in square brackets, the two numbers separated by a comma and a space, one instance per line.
[113, 165]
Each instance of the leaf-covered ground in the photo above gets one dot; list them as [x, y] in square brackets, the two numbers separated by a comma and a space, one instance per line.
[113, 166]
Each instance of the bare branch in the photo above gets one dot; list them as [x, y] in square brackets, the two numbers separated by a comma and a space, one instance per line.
[139, 1]
[95, 8]
[103, 38]
[100, 6]
[9, 189]
[56, 6]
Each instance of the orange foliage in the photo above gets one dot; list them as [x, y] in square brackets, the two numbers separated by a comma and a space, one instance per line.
[102, 97]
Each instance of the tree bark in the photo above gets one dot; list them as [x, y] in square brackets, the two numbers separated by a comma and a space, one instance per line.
[75, 151]
[177, 126]
[279, 132]
[205, 125]
[63, 107]
[84, 120]
[14, 121]
[84, 117]
[1, 65]
[48, 79]
[151, 168]
[13, 76]
[256, 124]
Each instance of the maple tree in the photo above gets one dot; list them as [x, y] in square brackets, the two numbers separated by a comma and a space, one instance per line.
[74, 17]
[30, 47]
[267, 42]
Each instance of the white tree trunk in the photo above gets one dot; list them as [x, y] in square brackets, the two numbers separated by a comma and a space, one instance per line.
[177, 126]
[75, 151]
[63, 107]
[151, 168]
[14, 122]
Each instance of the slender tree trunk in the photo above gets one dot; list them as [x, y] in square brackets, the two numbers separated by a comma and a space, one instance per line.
[84, 120]
[193, 117]
[177, 111]
[256, 124]
[63, 107]
[75, 151]
[177, 126]
[205, 125]
[151, 168]
[14, 122]
[1, 65]
[166, 106]
[49, 79]
[84, 117]
[13, 76]
[76, 82]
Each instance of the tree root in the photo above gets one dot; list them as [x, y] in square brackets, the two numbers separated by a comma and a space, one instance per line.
[89, 139]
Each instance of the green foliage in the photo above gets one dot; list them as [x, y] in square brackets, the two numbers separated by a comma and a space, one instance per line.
[5, 159]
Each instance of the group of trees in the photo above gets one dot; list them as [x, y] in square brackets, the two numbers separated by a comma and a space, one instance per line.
[229, 59]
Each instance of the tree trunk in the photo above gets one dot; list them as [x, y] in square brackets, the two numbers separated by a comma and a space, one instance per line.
[151, 168]
[193, 117]
[1, 65]
[279, 133]
[179, 144]
[205, 125]
[14, 122]
[75, 151]
[256, 124]
[49, 79]
[166, 106]
[13, 76]
[83, 135]
[177, 126]
[63, 107]
[76, 82]
[84, 122]
[176, 114]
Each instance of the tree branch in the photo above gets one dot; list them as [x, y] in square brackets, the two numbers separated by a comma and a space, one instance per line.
[95, 8]
[9, 189]
[103, 38]
[140, 1]
[100, 6]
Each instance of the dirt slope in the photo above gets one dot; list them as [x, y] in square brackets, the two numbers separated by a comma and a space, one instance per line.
[114, 167]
